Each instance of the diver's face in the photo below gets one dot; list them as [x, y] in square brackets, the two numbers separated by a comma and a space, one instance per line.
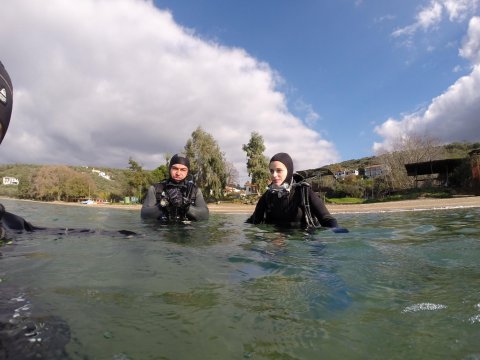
[178, 172]
[278, 172]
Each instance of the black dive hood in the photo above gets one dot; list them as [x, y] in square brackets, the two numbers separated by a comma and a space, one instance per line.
[6, 90]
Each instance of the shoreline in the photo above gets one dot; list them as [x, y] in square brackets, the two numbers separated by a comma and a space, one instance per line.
[408, 205]
[380, 207]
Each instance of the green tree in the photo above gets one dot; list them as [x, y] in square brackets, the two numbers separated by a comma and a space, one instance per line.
[24, 190]
[257, 162]
[159, 174]
[351, 186]
[49, 182]
[79, 186]
[138, 179]
[207, 162]
[59, 183]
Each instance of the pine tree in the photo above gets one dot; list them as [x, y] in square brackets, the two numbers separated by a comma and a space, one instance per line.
[207, 163]
[257, 162]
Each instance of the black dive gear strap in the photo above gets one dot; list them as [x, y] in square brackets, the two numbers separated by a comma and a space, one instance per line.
[310, 220]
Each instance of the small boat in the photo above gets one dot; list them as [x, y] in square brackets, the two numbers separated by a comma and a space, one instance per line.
[88, 202]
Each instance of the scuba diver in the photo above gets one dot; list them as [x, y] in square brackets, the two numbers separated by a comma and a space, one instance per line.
[10, 222]
[177, 199]
[290, 202]
[6, 101]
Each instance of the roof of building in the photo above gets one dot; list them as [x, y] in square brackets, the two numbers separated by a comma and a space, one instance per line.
[323, 171]
[432, 167]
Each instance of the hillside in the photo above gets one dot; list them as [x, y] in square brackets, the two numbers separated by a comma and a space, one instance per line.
[116, 184]
[450, 151]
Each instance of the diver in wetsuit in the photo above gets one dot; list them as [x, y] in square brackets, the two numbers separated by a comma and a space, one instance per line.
[289, 201]
[176, 199]
[6, 102]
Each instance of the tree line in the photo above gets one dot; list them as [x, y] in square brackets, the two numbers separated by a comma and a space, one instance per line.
[212, 172]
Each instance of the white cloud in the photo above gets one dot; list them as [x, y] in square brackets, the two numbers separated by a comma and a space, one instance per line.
[452, 116]
[459, 9]
[430, 16]
[471, 45]
[425, 19]
[98, 81]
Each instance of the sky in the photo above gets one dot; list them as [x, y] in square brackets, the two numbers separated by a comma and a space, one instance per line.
[97, 82]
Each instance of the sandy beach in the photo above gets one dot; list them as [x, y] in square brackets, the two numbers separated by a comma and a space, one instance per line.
[391, 206]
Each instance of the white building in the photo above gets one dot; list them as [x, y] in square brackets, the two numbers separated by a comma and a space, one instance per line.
[102, 174]
[344, 173]
[373, 171]
[8, 180]
[251, 189]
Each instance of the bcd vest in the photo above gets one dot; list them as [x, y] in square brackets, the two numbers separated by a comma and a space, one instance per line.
[174, 199]
[290, 201]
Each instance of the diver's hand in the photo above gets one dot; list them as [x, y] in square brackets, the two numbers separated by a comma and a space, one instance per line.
[177, 200]
[175, 197]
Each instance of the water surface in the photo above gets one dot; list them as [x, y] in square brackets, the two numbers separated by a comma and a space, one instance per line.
[399, 285]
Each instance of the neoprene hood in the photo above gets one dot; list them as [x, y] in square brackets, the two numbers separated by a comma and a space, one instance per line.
[179, 159]
[6, 100]
[286, 160]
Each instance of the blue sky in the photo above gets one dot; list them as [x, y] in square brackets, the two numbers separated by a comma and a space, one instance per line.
[99, 81]
[339, 59]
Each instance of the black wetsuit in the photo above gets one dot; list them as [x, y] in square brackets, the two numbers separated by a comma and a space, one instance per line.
[286, 208]
[171, 201]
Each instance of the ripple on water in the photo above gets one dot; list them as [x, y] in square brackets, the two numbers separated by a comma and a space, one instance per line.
[425, 229]
[423, 307]
[474, 319]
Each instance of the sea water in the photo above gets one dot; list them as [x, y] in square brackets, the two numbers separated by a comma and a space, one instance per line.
[397, 286]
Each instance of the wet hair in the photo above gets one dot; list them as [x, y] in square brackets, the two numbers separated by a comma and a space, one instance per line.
[179, 159]
[6, 100]
[286, 160]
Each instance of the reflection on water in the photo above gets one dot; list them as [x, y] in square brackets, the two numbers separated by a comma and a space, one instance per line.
[397, 286]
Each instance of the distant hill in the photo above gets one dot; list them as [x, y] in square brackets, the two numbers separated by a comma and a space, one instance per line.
[116, 185]
[355, 163]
